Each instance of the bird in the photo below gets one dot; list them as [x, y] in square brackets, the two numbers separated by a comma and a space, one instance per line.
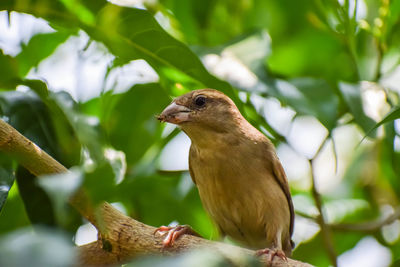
[240, 180]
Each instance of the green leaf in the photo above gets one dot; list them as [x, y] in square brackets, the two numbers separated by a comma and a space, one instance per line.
[60, 187]
[394, 114]
[306, 252]
[37, 203]
[38, 48]
[44, 123]
[8, 71]
[6, 178]
[13, 214]
[136, 34]
[131, 125]
[352, 96]
[308, 96]
[100, 182]
[311, 52]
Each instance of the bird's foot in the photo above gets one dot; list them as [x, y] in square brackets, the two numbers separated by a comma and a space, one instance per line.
[271, 254]
[173, 233]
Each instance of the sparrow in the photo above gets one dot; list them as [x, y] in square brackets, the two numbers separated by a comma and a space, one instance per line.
[240, 180]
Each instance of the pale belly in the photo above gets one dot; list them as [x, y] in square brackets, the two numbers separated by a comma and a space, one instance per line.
[243, 200]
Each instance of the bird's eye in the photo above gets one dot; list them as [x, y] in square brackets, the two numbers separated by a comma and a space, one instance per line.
[200, 101]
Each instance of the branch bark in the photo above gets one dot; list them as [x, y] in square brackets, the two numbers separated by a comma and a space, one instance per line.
[121, 237]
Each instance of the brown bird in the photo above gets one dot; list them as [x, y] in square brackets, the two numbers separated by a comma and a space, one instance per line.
[240, 179]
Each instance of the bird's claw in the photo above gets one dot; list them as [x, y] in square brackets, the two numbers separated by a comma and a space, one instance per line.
[173, 233]
[271, 253]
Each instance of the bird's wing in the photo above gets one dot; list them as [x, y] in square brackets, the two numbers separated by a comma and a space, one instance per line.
[192, 156]
[280, 177]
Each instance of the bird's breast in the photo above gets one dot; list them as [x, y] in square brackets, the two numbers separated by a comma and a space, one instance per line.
[238, 192]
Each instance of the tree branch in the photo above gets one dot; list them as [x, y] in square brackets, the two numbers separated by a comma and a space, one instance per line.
[121, 237]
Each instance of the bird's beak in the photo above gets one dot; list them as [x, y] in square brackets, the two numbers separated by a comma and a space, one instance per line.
[175, 114]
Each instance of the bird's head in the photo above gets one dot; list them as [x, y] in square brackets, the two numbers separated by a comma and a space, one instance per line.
[202, 112]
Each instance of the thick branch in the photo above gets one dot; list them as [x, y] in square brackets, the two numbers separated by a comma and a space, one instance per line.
[122, 237]
[125, 238]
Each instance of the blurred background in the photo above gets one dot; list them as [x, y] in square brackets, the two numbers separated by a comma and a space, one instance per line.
[85, 79]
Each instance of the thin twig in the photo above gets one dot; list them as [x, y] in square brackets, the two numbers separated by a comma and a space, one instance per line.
[335, 155]
[321, 220]
[367, 226]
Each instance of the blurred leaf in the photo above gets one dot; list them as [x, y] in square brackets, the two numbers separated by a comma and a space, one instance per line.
[39, 47]
[352, 96]
[388, 168]
[37, 203]
[196, 258]
[44, 247]
[28, 115]
[367, 56]
[100, 183]
[7, 178]
[346, 240]
[308, 96]
[8, 71]
[320, 100]
[131, 125]
[307, 252]
[339, 210]
[60, 187]
[252, 51]
[60, 106]
[157, 200]
[43, 123]
[395, 248]
[307, 52]
[13, 214]
[136, 34]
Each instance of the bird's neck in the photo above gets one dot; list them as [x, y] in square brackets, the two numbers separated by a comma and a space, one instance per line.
[209, 139]
[221, 138]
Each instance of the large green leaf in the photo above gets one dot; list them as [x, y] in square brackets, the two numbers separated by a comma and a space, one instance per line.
[8, 71]
[43, 123]
[59, 189]
[38, 48]
[13, 214]
[352, 96]
[131, 125]
[308, 96]
[37, 203]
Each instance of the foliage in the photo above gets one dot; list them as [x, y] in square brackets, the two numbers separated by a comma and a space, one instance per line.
[322, 65]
